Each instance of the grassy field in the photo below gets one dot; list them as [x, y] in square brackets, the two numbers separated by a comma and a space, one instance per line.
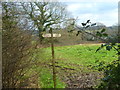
[71, 63]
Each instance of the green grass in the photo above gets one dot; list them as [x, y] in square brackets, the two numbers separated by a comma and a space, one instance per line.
[81, 55]
[46, 80]
[73, 57]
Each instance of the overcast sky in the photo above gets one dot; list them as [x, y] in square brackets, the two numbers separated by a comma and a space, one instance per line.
[104, 11]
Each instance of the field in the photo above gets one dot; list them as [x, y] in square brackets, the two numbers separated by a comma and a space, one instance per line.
[74, 65]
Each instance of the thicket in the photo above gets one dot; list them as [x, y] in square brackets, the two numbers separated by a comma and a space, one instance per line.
[111, 70]
[17, 51]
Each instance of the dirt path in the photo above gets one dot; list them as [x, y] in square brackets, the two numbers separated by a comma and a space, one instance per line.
[83, 80]
[79, 78]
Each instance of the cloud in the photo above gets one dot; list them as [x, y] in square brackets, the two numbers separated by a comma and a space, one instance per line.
[60, 0]
[105, 12]
[88, 0]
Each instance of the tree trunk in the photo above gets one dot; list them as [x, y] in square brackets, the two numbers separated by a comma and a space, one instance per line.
[40, 35]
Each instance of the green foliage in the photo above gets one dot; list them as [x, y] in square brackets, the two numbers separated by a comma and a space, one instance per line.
[101, 33]
[110, 46]
[85, 26]
[103, 30]
[111, 74]
[111, 70]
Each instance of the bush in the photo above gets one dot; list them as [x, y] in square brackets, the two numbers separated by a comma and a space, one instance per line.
[17, 52]
[111, 80]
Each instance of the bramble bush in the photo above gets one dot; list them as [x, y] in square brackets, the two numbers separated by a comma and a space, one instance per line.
[111, 79]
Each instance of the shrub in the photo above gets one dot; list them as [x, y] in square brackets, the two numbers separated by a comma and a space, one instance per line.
[17, 52]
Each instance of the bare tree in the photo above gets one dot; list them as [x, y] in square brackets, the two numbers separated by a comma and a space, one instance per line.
[45, 14]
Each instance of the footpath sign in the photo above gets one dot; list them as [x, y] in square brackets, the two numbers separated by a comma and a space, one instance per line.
[49, 35]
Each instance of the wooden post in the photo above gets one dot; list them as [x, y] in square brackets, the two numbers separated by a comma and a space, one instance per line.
[53, 58]
[51, 35]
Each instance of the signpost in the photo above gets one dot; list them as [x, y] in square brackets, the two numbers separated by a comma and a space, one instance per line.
[51, 35]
